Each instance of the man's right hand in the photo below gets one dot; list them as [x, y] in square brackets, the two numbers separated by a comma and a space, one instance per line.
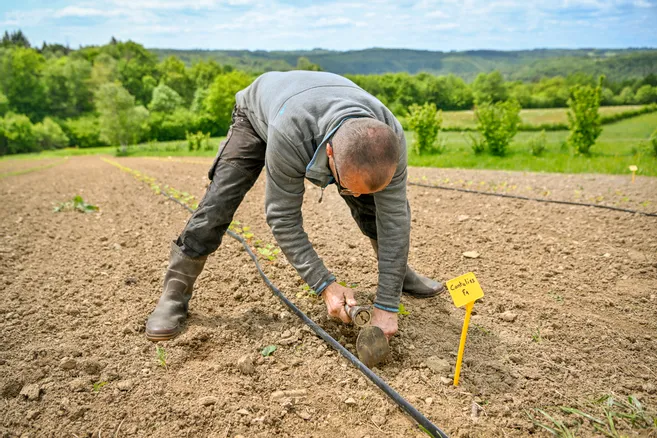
[335, 297]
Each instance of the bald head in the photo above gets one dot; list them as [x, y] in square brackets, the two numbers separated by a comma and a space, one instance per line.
[367, 149]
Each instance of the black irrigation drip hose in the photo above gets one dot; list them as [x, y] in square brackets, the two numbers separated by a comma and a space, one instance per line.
[526, 198]
[423, 421]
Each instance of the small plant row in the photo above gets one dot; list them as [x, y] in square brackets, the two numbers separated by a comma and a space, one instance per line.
[267, 251]
[32, 169]
[562, 126]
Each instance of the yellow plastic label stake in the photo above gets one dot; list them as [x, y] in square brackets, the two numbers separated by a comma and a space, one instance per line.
[465, 290]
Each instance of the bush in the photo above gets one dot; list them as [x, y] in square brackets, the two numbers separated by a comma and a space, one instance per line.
[220, 99]
[653, 142]
[4, 104]
[165, 100]
[49, 135]
[538, 144]
[584, 119]
[425, 121]
[17, 135]
[198, 141]
[83, 132]
[498, 124]
[174, 126]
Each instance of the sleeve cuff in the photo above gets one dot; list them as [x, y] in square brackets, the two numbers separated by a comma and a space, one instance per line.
[386, 308]
[319, 289]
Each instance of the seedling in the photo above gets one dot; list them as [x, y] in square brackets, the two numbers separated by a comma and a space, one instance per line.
[613, 414]
[99, 385]
[161, 355]
[536, 335]
[75, 204]
[402, 310]
[268, 350]
[555, 427]
[269, 251]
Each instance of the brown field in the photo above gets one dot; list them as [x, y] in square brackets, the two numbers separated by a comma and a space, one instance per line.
[570, 312]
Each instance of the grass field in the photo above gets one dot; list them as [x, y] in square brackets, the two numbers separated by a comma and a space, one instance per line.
[620, 145]
[466, 119]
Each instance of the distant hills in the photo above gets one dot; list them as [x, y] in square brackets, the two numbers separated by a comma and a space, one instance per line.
[526, 65]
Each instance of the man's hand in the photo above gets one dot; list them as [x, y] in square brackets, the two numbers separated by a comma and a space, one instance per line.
[386, 321]
[336, 296]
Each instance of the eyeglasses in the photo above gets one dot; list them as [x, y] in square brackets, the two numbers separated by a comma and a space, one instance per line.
[343, 191]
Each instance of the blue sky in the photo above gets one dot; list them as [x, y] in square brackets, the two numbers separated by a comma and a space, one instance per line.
[341, 25]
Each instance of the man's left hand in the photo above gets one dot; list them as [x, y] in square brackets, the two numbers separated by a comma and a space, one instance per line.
[386, 321]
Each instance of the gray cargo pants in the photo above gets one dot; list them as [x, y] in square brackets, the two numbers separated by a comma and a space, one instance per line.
[236, 168]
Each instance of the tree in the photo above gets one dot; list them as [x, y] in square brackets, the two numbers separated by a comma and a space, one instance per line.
[20, 81]
[4, 104]
[646, 94]
[304, 63]
[133, 63]
[104, 70]
[121, 122]
[489, 88]
[165, 99]
[174, 74]
[218, 104]
[204, 72]
[498, 124]
[584, 119]
[49, 135]
[425, 121]
[15, 39]
[66, 83]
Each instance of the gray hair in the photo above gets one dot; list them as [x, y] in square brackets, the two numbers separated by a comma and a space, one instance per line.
[368, 146]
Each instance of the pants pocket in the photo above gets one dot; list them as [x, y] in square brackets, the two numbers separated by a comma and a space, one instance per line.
[222, 146]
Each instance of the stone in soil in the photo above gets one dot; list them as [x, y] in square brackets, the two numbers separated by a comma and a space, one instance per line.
[245, 365]
[31, 392]
[471, 255]
[208, 400]
[508, 316]
[438, 365]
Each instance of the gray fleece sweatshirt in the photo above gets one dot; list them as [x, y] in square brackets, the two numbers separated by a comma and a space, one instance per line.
[296, 113]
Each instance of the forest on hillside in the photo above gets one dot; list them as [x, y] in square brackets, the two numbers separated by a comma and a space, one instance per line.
[54, 96]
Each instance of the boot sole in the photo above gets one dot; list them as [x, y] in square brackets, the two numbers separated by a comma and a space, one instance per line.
[430, 295]
[156, 337]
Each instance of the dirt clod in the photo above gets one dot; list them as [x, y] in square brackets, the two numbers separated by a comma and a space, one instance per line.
[508, 316]
[471, 255]
[438, 365]
[208, 400]
[31, 392]
[68, 363]
[245, 365]
[350, 401]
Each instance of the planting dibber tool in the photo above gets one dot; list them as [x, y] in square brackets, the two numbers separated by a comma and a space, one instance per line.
[360, 315]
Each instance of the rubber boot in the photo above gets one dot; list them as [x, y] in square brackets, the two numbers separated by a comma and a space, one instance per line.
[416, 285]
[167, 319]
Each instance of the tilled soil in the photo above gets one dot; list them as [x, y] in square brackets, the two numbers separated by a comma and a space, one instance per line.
[569, 313]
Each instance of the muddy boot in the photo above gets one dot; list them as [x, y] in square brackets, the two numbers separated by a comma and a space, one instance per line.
[167, 319]
[416, 285]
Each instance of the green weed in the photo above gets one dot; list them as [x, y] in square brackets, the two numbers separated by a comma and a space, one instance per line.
[536, 335]
[403, 311]
[98, 385]
[75, 204]
[161, 355]
[612, 416]
[268, 350]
